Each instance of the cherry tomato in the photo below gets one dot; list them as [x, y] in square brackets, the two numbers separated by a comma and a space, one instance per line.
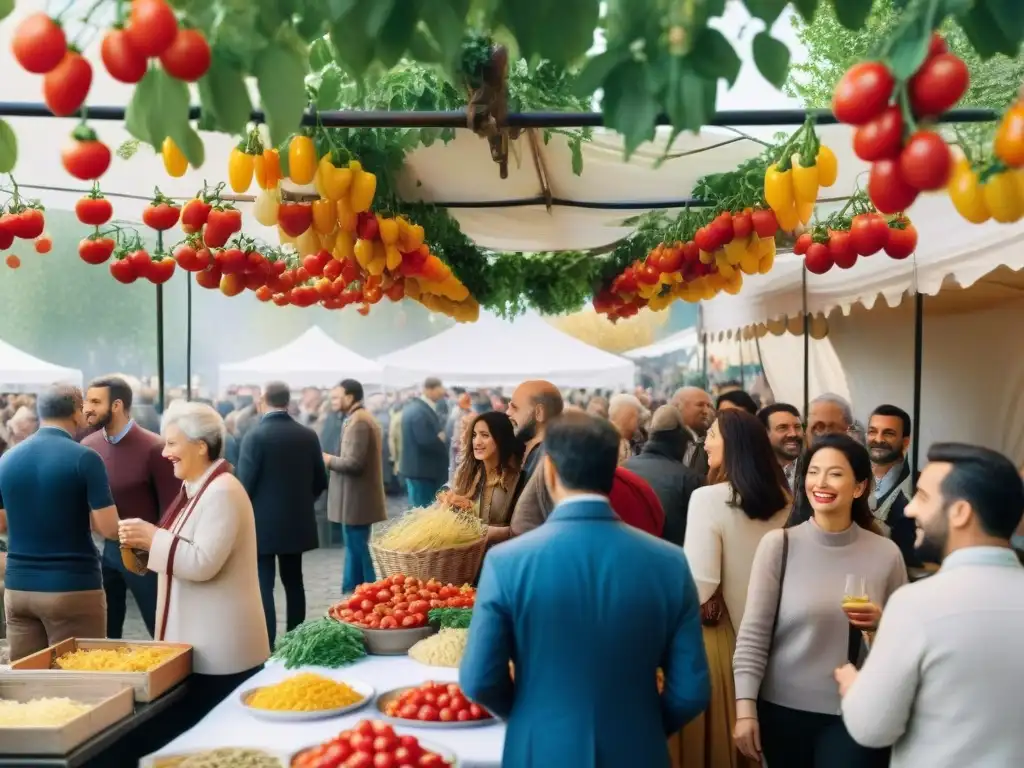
[936, 46]
[94, 211]
[120, 59]
[869, 233]
[44, 244]
[152, 27]
[863, 92]
[765, 225]
[881, 137]
[66, 85]
[902, 242]
[802, 244]
[161, 216]
[887, 188]
[818, 260]
[13, 261]
[188, 56]
[39, 43]
[938, 85]
[85, 157]
[427, 712]
[926, 162]
[95, 250]
[840, 248]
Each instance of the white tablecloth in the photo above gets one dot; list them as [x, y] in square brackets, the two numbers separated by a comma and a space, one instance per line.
[230, 725]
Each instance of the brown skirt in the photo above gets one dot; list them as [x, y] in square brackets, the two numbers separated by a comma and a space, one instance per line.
[706, 742]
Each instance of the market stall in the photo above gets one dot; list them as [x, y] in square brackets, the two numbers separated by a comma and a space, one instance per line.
[21, 372]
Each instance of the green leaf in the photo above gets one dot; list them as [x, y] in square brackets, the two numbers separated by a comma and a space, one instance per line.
[338, 9]
[629, 106]
[576, 147]
[596, 70]
[446, 26]
[6, 6]
[329, 95]
[193, 148]
[352, 47]
[378, 16]
[909, 47]
[714, 56]
[320, 54]
[766, 10]
[806, 8]
[423, 49]
[772, 58]
[984, 34]
[224, 97]
[558, 30]
[8, 147]
[312, 23]
[1009, 16]
[396, 34]
[852, 14]
[687, 97]
[158, 109]
[280, 76]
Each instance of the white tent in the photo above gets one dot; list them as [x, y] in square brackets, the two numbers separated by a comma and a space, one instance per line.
[498, 353]
[19, 371]
[684, 341]
[314, 359]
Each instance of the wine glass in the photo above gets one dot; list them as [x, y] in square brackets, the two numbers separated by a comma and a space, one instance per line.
[855, 592]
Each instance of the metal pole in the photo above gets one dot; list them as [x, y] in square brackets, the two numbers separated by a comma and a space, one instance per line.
[807, 344]
[188, 336]
[915, 440]
[457, 118]
[743, 383]
[160, 346]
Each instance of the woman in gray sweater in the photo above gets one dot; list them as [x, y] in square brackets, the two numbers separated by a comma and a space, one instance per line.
[796, 629]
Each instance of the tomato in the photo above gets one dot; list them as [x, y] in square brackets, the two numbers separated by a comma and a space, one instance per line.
[194, 215]
[367, 226]
[818, 260]
[887, 188]
[94, 211]
[161, 216]
[802, 244]
[301, 159]
[152, 27]
[384, 760]
[964, 191]
[231, 285]
[13, 261]
[188, 56]
[862, 92]
[187, 258]
[1003, 198]
[880, 137]
[431, 760]
[295, 218]
[220, 225]
[869, 233]
[936, 46]
[360, 759]
[1009, 141]
[43, 244]
[938, 85]
[121, 60]
[765, 225]
[86, 157]
[28, 224]
[123, 271]
[66, 85]
[95, 250]
[209, 278]
[840, 249]
[39, 43]
[902, 242]
[160, 271]
[926, 161]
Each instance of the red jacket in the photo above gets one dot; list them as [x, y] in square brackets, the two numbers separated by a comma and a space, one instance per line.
[635, 502]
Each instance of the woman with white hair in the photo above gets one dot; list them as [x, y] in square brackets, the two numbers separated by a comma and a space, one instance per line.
[204, 550]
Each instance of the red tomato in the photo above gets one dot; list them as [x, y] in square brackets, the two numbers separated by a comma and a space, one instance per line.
[13, 261]
[152, 27]
[383, 595]
[385, 743]
[802, 244]
[742, 225]
[477, 712]
[704, 240]
[123, 271]
[161, 216]
[295, 218]
[938, 85]
[902, 242]
[39, 44]
[384, 760]
[881, 137]
[194, 215]
[188, 56]
[463, 715]
[209, 278]
[160, 271]
[818, 260]
[869, 233]
[840, 248]
[419, 606]
[419, 620]
[95, 250]
[445, 715]
[85, 158]
[671, 261]
[926, 161]
[94, 211]
[765, 223]
[863, 92]
[405, 756]
[646, 275]
[27, 225]
[936, 46]
[43, 244]
[66, 85]
[887, 188]
[360, 759]
[121, 60]
[458, 703]
[427, 712]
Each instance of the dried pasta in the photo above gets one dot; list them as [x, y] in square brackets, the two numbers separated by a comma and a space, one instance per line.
[445, 649]
[226, 757]
[131, 658]
[432, 528]
[305, 692]
[40, 712]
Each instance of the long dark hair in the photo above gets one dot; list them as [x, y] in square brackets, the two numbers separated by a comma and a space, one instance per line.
[750, 467]
[510, 453]
[860, 462]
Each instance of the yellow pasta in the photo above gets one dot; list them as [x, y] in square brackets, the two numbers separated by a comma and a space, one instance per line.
[432, 528]
[131, 658]
[445, 649]
[40, 712]
[306, 692]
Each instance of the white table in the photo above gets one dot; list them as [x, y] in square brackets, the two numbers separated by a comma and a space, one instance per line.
[230, 725]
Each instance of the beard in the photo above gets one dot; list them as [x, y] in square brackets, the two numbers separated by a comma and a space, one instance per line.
[932, 539]
[527, 432]
[790, 450]
[102, 420]
[883, 453]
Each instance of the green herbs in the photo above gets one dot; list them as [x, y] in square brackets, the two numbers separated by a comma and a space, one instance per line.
[451, 618]
[320, 643]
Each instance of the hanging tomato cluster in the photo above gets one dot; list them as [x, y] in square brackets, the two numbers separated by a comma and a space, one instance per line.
[23, 220]
[792, 182]
[839, 242]
[906, 158]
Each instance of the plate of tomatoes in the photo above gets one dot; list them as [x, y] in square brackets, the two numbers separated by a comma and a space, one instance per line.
[399, 602]
[374, 744]
[433, 705]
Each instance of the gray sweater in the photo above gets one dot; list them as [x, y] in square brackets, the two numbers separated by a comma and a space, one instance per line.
[812, 635]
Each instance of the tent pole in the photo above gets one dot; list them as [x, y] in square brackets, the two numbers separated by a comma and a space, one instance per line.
[743, 383]
[915, 441]
[188, 336]
[160, 346]
[807, 343]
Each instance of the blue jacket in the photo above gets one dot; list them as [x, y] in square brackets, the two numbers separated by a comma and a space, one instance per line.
[424, 454]
[587, 608]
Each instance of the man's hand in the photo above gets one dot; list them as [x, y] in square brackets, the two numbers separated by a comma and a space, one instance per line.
[327, 459]
[441, 437]
[845, 675]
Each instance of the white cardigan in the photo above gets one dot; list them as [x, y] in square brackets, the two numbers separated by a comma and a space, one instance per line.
[215, 601]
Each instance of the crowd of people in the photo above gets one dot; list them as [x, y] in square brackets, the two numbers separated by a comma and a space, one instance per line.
[749, 554]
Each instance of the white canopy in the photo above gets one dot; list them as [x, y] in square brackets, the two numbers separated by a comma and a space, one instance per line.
[684, 341]
[314, 359]
[497, 353]
[20, 371]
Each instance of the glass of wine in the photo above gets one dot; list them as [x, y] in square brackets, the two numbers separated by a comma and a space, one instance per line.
[855, 593]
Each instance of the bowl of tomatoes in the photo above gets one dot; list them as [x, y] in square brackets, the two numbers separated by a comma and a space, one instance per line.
[374, 743]
[433, 705]
[392, 613]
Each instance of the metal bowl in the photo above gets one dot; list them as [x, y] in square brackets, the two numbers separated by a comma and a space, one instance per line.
[384, 699]
[363, 689]
[392, 642]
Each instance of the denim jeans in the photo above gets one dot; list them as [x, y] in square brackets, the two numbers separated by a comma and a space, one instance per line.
[358, 565]
[422, 492]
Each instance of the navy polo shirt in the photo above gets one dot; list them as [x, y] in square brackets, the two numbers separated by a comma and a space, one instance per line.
[49, 485]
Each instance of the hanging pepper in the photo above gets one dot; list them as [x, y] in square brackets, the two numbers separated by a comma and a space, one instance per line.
[240, 169]
[828, 166]
[266, 207]
[267, 169]
[364, 252]
[174, 160]
[332, 182]
[805, 182]
[364, 187]
[344, 246]
[324, 216]
[393, 257]
[1009, 140]
[388, 229]
[778, 188]
[348, 220]
[301, 159]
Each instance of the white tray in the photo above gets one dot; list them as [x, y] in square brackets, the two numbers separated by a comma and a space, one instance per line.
[363, 689]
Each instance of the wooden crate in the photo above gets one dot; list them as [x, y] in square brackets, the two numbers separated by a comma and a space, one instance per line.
[148, 686]
[112, 701]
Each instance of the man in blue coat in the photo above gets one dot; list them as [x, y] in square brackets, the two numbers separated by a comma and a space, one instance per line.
[587, 608]
[424, 459]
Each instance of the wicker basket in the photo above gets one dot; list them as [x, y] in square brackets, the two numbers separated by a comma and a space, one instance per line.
[456, 565]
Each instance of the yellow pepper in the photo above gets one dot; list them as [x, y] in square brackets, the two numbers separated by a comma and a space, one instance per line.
[324, 216]
[376, 266]
[174, 161]
[393, 257]
[828, 166]
[327, 241]
[804, 211]
[301, 159]
[364, 187]
[411, 235]
[344, 246]
[388, 230]
[240, 170]
[308, 242]
[268, 172]
[805, 183]
[734, 251]
[964, 191]
[347, 219]
[363, 251]
[1002, 197]
[788, 218]
[332, 183]
[778, 189]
